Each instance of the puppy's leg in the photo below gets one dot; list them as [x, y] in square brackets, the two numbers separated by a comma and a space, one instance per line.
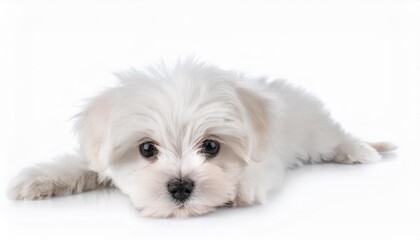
[330, 143]
[352, 150]
[67, 175]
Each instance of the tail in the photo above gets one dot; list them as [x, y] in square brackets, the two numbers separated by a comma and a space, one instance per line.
[383, 147]
[68, 174]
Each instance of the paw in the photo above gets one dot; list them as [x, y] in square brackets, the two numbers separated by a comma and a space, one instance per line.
[361, 153]
[249, 196]
[28, 187]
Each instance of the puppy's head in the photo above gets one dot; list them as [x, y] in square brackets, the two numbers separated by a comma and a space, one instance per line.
[175, 141]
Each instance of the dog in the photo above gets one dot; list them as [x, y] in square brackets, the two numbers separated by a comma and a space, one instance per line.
[184, 140]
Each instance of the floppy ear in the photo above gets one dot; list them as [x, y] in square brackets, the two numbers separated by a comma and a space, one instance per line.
[93, 129]
[257, 116]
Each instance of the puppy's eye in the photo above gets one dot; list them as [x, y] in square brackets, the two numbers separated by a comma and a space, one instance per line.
[210, 148]
[148, 149]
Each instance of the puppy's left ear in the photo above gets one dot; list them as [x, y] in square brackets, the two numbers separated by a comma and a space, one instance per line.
[94, 131]
[257, 117]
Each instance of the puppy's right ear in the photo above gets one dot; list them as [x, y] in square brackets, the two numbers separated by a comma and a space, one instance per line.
[258, 118]
[94, 131]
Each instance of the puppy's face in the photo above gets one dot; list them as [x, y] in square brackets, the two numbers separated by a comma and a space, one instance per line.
[175, 141]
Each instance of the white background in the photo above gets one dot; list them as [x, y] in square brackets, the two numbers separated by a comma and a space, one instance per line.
[361, 57]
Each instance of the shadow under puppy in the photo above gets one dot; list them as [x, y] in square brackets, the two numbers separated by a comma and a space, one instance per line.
[182, 141]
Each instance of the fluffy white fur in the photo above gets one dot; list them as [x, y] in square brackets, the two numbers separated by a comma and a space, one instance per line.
[263, 128]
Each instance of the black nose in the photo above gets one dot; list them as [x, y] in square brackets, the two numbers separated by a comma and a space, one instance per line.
[181, 189]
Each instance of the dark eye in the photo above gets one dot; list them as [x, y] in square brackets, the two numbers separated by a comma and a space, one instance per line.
[210, 148]
[148, 149]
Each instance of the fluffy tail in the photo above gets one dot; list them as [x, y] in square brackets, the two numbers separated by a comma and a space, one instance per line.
[383, 147]
[68, 174]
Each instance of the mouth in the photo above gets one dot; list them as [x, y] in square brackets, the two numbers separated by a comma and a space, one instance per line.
[181, 206]
[227, 204]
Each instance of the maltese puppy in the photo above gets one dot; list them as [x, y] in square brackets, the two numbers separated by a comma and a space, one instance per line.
[183, 141]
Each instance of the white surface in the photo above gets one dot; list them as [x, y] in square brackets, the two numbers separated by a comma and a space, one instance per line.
[361, 57]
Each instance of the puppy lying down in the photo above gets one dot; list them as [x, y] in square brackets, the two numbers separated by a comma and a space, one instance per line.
[183, 141]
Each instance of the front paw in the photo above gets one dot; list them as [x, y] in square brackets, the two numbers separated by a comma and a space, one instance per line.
[28, 186]
[247, 197]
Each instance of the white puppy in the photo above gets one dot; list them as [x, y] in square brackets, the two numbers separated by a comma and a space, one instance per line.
[183, 141]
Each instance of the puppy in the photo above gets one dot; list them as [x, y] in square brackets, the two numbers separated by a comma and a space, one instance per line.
[183, 141]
